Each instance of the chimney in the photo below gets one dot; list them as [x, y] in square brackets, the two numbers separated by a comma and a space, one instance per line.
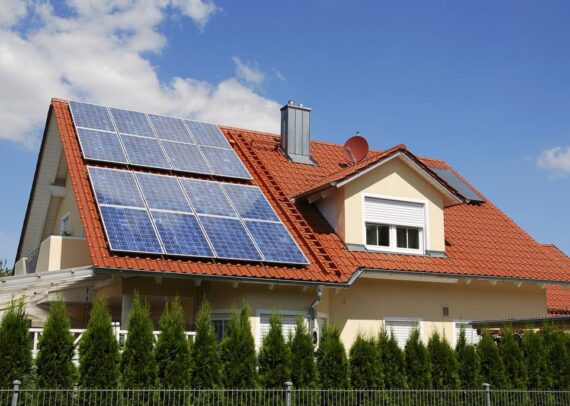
[296, 133]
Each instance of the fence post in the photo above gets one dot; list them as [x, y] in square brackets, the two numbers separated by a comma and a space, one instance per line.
[288, 386]
[486, 388]
[16, 392]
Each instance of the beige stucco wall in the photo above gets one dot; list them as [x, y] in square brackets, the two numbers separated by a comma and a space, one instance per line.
[68, 205]
[59, 252]
[363, 306]
[394, 179]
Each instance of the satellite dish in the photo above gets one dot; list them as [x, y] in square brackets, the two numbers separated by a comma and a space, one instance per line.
[355, 149]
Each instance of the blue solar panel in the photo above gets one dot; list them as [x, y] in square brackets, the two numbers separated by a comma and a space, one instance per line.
[229, 238]
[225, 162]
[207, 134]
[250, 202]
[132, 122]
[457, 183]
[144, 151]
[181, 234]
[169, 128]
[186, 157]
[91, 116]
[208, 197]
[115, 187]
[101, 146]
[163, 192]
[129, 230]
[275, 242]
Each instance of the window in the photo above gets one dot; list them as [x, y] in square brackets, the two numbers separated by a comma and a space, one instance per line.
[401, 329]
[471, 336]
[393, 225]
[220, 322]
[64, 225]
[289, 325]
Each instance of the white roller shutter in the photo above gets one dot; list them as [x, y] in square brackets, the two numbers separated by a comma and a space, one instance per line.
[401, 329]
[393, 212]
[471, 336]
[289, 325]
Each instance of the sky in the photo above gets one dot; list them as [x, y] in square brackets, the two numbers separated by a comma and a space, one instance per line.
[483, 85]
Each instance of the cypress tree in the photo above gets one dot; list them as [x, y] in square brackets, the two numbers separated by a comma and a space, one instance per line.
[444, 373]
[15, 345]
[393, 361]
[172, 350]
[469, 363]
[492, 367]
[238, 352]
[558, 348]
[418, 366]
[99, 351]
[206, 370]
[513, 359]
[274, 356]
[365, 364]
[332, 365]
[54, 362]
[303, 368]
[536, 356]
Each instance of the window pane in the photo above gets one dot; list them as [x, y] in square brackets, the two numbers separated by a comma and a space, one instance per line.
[371, 234]
[384, 236]
[413, 238]
[401, 237]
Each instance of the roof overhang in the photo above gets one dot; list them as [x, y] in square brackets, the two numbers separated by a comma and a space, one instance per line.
[559, 322]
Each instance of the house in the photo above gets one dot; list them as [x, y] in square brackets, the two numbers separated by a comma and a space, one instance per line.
[385, 238]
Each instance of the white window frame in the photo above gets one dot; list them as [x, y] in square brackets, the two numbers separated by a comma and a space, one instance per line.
[65, 220]
[221, 315]
[393, 248]
[405, 319]
[456, 330]
[263, 312]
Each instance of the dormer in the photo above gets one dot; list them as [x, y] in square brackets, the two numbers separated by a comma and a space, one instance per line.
[389, 202]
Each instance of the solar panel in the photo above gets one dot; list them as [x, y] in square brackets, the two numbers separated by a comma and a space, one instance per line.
[169, 128]
[129, 230]
[208, 197]
[181, 234]
[91, 116]
[186, 157]
[207, 134]
[101, 146]
[250, 202]
[225, 162]
[144, 151]
[115, 187]
[229, 238]
[275, 242]
[163, 192]
[132, 122]
[457, 183]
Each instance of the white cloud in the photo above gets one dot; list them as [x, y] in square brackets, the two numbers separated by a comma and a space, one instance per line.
[249, 71]
[556, 159]
[99, 54]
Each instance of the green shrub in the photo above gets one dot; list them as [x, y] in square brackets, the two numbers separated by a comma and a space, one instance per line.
[469, 363]
[332, 365]
[444, 367]
[536, 356]
[418, 366]
[206, 366]
[513, 359]
[393, 361]
[365, 364]
[238, 352]
[99, 351]
[274, 356]
[303, 368]
[558, 348]
[54, 362]
[15, 345]
[492, 367]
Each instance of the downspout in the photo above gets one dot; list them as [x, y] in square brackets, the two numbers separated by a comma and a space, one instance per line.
[314, 315]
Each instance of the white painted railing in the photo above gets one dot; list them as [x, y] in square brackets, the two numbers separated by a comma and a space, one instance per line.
[77, 333]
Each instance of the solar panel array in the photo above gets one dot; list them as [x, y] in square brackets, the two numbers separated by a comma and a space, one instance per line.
[161, 214]
[457, 183]
[147, 140]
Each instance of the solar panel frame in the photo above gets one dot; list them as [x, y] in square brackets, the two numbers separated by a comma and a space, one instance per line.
[102, 120]
[458, 184]
[132, 122]
[127, 184]
[230, 238]
[259, 209]
[163, 192]
[208, 197]
[171, 129]
[93, 146]
[206, 134]
[273, 240]
[138, 153]
[181, 156]
[225, 163]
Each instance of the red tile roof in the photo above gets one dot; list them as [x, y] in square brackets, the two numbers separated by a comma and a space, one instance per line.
[558, 297]
[480, 240]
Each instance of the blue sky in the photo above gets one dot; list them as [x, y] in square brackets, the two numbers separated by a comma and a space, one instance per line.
[484, 85]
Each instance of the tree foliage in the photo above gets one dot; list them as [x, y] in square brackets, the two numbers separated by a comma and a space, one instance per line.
[54, 362]
[274, 356]
[303, 369]
[393, 360]
[444, 366]
[99, 351]
[15, 345]
[469, 363]
[206, 366]
[238, 352]
[332, 365]
[558, 350]
[365, 364]
[418, 366]
[513, 359]
[536, 356]
[492, 367]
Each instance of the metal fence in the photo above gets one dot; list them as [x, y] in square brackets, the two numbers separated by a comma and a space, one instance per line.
[287, 396]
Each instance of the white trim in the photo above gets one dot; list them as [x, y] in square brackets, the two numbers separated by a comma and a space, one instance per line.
[405, 319]
[260, 312]
[456, 330]
[65, 221]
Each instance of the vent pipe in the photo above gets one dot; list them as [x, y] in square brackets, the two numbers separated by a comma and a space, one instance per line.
[296, 133]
